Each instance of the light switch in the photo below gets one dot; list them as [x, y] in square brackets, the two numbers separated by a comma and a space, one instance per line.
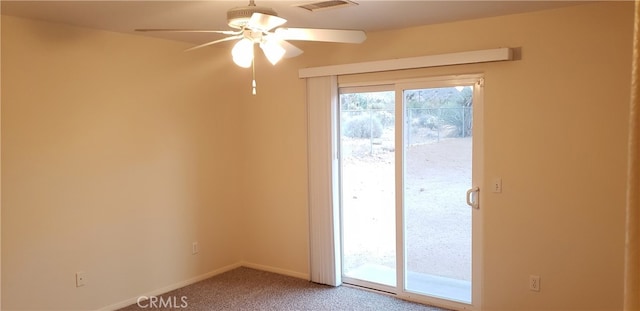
[497, 185]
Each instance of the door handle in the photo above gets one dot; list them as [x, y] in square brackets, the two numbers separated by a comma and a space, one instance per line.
[473, 197]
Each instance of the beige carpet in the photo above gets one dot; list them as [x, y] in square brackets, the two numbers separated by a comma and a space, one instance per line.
[249, 289]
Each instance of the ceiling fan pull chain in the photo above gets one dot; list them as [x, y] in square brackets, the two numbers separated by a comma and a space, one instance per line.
[253, 75]
[254, 87]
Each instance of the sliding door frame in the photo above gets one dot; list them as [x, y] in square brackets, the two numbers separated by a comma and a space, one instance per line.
[477, 81]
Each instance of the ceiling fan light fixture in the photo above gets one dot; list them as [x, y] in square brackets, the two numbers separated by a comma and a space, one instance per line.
[272, 50]
[242, 53]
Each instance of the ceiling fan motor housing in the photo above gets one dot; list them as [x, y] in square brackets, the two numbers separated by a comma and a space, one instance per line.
[239, 17]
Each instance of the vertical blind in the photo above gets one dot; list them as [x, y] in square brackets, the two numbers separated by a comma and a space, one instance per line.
[324, 226]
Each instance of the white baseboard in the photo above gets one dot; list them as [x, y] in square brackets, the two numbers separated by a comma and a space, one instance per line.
[169, 288]
[294, 274]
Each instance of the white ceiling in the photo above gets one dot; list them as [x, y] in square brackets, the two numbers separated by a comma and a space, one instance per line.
[125, 16]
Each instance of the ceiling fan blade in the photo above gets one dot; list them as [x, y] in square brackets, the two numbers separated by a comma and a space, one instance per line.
[264, 22]
[213, 42]
[324, 35]
[224, 32]
[290, 49]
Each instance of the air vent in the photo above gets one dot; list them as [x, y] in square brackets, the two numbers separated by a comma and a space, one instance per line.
[325, 5]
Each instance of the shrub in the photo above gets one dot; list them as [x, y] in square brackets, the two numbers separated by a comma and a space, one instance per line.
[363, 126]
[429, 121]
[386, 118]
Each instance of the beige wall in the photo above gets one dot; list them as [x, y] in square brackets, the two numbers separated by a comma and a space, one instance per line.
[118, 151]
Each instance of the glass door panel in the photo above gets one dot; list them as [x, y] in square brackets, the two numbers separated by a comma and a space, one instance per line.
[437, 174]
[367, 131]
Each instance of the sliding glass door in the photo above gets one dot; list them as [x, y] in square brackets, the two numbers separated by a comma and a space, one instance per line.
[406, 171]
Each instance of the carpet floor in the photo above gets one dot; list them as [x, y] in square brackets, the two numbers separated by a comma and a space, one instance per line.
[249, 289]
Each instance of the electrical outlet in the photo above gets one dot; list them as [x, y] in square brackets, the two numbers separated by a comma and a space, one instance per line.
[80, 279]
[195, 248]
[534, 283]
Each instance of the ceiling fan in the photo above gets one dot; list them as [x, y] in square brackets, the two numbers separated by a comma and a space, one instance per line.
[261, 25]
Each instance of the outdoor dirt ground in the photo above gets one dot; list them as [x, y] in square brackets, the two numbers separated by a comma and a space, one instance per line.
[438, 220]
